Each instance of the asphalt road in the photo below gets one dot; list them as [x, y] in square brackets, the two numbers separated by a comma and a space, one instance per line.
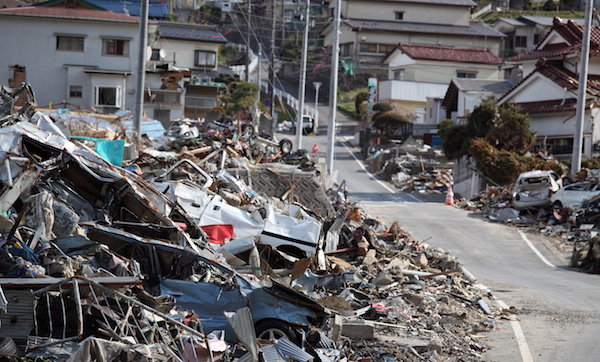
[559, 309]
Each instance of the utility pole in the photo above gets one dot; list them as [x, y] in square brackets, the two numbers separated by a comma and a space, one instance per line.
[258, 81]
[141, 71]
[302, 86]
[272, 65]
[333, 87]
[582, 90]
[282, 21]
[248, 40]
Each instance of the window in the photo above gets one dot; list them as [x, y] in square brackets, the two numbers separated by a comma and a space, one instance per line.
[75, 91]
[160, 97]
[199, 102]
[399, 74]
[520, 42]
[118, 47]
[376, 48]
[346, 49]
[536, 39]
[107, 96]
[69, 43]
[205, 58]
[558, 146]
[465, 74]
[155, 54]
[399, 15]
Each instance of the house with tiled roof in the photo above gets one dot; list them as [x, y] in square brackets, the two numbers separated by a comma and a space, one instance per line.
[549, 96]
[156, 9]
[550, 85]
[194, 47]
[420, 73]
[463, 95]
[371, 29]
[563, 42]
[89, 58]
[82, 57]
[524, 33]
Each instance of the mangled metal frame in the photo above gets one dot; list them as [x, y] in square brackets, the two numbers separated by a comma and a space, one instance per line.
[127, 328]
[32, 156]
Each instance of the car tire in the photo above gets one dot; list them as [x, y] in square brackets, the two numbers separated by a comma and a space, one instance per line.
[285, 146]
[275, 329]
[557, 204]
[247, 130]
[8, 347]
[226, 120]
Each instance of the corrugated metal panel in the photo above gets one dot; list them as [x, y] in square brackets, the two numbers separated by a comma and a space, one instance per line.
[18, 321]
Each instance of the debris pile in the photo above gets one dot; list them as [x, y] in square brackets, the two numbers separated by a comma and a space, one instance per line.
[176, 256]
[413, 169]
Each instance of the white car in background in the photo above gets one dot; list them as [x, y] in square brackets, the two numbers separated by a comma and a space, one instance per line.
[534, 188]
[574, 194]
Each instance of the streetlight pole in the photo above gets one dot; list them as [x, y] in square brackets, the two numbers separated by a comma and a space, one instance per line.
[141, 71]
[333, 88]
[302, 87]
[317, 85]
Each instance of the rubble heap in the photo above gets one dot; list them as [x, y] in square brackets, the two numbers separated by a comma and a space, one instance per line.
[181, 258]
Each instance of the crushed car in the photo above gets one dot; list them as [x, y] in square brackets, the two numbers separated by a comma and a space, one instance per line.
[533, 189]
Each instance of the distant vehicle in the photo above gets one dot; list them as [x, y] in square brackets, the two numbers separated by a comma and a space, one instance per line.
[533, 189]
[184, 129]
[308, 125]
[574, 194]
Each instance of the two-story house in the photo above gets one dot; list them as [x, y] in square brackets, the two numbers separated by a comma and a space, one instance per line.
[548, 92]
[188, 52]
[419, 74]
[523, 33]
[83, 57]
[371, 29]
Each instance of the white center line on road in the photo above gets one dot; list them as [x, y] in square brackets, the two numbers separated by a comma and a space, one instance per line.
[514, 323]
[343, 141]
[519, 335]
[537, 252]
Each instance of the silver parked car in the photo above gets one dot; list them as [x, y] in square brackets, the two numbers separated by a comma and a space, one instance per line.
[574, 194]
[533, 189]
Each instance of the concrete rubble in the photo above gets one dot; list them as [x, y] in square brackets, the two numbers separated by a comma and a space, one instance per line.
[207, 252]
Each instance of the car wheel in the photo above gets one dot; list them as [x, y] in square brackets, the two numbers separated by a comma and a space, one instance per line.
[247, 130]
[557, 204]
[275, 329]
[285, 146]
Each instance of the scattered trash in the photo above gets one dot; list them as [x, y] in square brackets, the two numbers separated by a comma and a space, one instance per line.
[213, 246]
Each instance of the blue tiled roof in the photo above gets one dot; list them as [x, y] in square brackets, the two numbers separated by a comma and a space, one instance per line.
[156, 9]
[194, 32]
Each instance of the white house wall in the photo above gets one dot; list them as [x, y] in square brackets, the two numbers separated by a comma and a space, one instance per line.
[410, 91]
[184, 51]
[414, 13]
[562, 125]
[442, 72]
[531, 92]
[31, 42]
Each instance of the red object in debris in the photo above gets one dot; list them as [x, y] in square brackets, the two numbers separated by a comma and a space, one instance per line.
[378, 308]
[315, 148]
[182, 225]
[218, 233]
